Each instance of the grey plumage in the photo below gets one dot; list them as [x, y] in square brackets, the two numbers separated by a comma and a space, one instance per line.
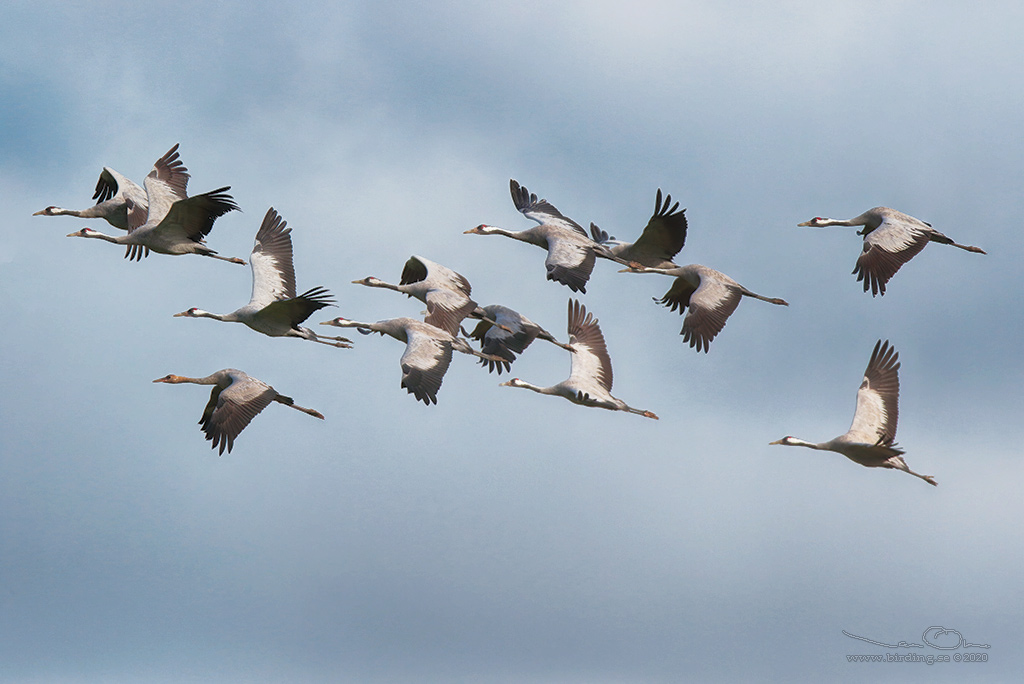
[172, 223]
[708, 297]
[590, 376]
[236, 398]
[504, 333]
[662, 237]
[571, 252]
[871, 439]
[427, 355]
[274, 308]
[891, 239]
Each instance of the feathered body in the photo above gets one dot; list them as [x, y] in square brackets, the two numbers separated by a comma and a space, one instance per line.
[590, 376]
[173, 223]
[662, 237]
[891, 239]
[274, 308]
[871, 439]
[236, 398]
[504, 333]
[445, 292]
[707, 296]
[427, 355]
[571, 252]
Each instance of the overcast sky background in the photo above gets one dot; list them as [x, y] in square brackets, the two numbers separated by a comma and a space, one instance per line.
[503, 536]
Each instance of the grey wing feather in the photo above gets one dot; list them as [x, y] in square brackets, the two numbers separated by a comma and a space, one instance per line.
[415, 271]
[171, 171]
[540, 210]
[663, 236]
[232, 408]
[195, 215]
[569, 264]
[710, 305]
[273, 272]
[297, 309]
[886, 249]
[165, 184]
[600, 236]
[446, 310]
[106, 186]
[504, 344]
[424, 363]
[591, 362]
[877, 412]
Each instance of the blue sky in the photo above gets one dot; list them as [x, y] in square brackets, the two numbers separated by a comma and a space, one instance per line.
[502, 536]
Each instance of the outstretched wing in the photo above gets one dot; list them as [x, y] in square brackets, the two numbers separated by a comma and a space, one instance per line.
[874, 421]
[447, 298]
[886, 248]
[232, 408]
[505, 344]
[711, 304]
[663, 236]
[194, 216]
[569, 263]
[166, 184]
[273, 274]
[424, 363]
[292, 312]
[540, 210]
[591, 362]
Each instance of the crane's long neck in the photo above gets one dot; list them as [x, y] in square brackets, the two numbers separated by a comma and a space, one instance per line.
[179, 379]
[229, 317]
[635, 267]
[88, 233]
[381, 284]
[529, 235]
[641, 412]
[365, 328]
[858, 221]
[61, 211]
[516, 382]
[793, 441]
[199, 313]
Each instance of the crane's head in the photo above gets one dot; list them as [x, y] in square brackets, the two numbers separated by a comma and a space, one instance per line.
[84, 232]
[369, 281]
[482, 229]
[172, 379]
[340, 322]
[787, 441]
[48, 211]
[514, 382]
[815, 222]
[191, 313]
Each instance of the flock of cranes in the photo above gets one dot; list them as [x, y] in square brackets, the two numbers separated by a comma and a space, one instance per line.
[161, 217]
